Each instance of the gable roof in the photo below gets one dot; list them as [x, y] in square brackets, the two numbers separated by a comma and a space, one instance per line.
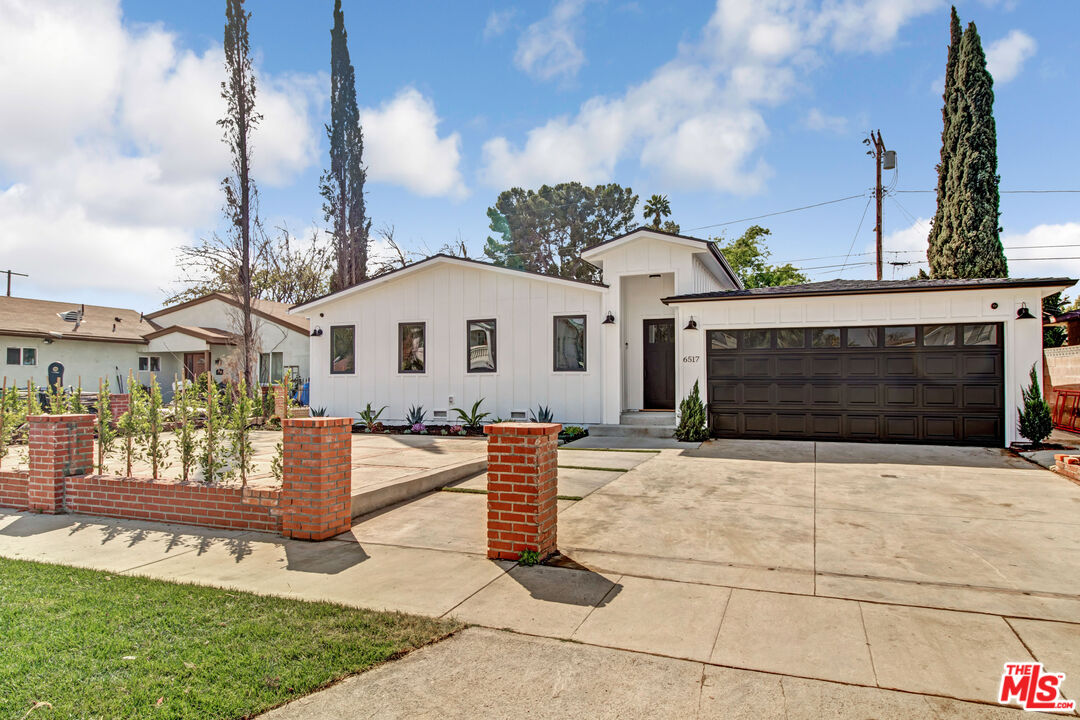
[27, 317]
[864, 287]
[643, 231]
[213, 336]
[435, 260]
[271, 310]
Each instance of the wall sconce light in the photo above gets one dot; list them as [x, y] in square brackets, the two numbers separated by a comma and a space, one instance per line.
[47, 341]
[610, 319]
[1023, 313]
[691, 324]
[317, 332]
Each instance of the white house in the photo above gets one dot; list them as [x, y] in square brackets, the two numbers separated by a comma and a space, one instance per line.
[938, 361]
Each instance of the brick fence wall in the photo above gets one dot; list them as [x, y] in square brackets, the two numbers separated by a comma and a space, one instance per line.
[1061, 370]
[522, 489]
[313, 503]
[119, 403]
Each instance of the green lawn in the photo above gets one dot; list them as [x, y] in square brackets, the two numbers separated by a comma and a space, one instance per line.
[91, 644]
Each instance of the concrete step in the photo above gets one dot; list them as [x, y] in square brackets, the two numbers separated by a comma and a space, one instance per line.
[656, 419]
[655, 431]
[375, 497]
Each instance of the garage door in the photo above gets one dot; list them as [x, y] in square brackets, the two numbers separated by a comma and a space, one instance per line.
[912, 383]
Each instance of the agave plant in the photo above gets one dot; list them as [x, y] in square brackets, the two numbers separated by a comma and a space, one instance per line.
[370, 417]
[318, 412]
[542, 415]
[474, 417]
[416, 415]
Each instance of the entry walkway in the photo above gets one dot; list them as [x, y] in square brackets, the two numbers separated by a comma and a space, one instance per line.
[833, 575]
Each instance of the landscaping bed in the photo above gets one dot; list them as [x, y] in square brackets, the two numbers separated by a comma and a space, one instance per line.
[82, 643]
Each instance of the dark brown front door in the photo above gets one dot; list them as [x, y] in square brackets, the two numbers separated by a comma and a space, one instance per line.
[194, 365]
[659, 364]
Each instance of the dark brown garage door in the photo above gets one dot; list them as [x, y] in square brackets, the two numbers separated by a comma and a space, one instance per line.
[912, 383]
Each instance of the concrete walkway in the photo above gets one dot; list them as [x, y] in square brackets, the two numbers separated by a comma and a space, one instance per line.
[707, 580]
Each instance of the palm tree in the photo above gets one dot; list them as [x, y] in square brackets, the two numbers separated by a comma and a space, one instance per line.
[658, 208]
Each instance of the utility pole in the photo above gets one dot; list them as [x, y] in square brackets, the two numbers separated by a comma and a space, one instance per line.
[888, 158]
[9, 274]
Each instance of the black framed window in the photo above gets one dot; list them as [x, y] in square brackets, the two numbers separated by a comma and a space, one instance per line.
[791, 338]
[722, 340]
[980, 334]
[862, 337]
[900, 336]
[271, 367]
[150, 362]
[342, 349]
[825, 337]
[480, 336]
[569, 343]
[14, 356]
[29, 356]
[411, 345]
[756, 339]
[939, 335]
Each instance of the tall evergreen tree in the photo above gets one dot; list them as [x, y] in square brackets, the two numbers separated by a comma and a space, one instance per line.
[948, 144]
[967, 241]
[342, 185]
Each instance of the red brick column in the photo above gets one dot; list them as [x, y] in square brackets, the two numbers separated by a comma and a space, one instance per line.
[60, 446]
[119, 403]
[522, 488]
[316, 486]
[280, 405]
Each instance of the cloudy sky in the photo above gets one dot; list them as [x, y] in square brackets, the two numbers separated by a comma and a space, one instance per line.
[110, 158]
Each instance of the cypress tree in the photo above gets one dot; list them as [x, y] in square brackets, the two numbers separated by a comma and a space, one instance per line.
[965, 241]
[948, 144]
[342, 185]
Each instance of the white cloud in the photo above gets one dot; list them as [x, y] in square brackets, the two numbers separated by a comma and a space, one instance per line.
[818, 121]
[1005, 57]
[112, 143]
[698, 120]
[498, 22]
[549, 48]
[402, 146]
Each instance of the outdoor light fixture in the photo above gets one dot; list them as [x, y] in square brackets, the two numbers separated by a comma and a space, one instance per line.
[610, 319]
[1023, 313]
[692, 324]
[316, 332]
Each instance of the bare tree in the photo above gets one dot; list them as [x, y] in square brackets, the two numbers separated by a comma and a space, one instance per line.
[393, 257]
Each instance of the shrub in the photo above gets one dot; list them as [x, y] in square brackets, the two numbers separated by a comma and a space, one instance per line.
[277, 463]
[129, 425]
[416, 415]
[528, 557]
[370, 418]
[543, 414]
[153, 447]
[240, 431]
[318, 412]
[106, 433]
[1035, 420]
[473, 418]
[12, 416]
[186, 443]
[693, 422]
[209, 457]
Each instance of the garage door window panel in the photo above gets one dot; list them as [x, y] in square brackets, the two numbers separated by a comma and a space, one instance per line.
[900, 336]
[825, 337]
[939, 336]
[790, 338]
[980, 334]
[862, 337]
[756, 339]
[722, 340]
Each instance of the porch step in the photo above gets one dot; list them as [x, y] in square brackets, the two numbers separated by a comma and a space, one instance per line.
[655, 419]
[654, 431]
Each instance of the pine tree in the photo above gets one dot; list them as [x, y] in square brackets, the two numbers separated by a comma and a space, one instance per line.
[1035, 421]
[965, 239]
[693, 420]
[342, 186]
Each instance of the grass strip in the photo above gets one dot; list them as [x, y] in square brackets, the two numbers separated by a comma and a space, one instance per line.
[83, 643]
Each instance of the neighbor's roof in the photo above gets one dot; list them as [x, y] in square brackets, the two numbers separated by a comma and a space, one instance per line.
[26, 317]
[213, 336]
[712, 247]
[436, 259]
[867, 287]
[267, 309]
[1061, 318]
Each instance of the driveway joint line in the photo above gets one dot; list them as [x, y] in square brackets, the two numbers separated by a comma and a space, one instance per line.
[480, 589]
[869, 649]
[155, 562]
[720, 625]
[611, 589]
[813, 537]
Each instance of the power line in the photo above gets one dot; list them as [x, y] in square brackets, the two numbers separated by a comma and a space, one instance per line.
[1003, 192]
[779, 212]
[855, 237]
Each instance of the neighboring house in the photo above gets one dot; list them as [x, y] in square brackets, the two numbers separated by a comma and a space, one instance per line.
[938, 361]
[93, 342]
[1069, 320]
[204, 333]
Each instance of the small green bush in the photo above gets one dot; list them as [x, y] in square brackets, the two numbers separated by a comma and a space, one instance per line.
[1035, 420]
[528, 557]
[693, 422]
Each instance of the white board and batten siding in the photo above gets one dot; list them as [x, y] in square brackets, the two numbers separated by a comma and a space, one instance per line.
[1022, 338]
[444, 296]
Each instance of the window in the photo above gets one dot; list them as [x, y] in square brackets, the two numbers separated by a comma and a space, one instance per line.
[791, 338]
[271, 367]
[973, 335]
[480, 335]
[570, 343]
[149, 362]
[903, 336]
[756, 339]
[722, 340]
[825, 337]
[861, 337]
[939, 335]
[411, 347]
[14, 356]
[342, 349]
[29, 356]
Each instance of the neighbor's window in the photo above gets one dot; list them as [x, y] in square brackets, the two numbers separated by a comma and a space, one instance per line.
[342, 349]
[825, 337]
[480, 335]
[939, 335]
[791, 338]
[149, 362]
[29, 356]
[862, 337]
[411, 347]
[973, 335]
[722, 340]
[271, 367]
[570, 343]
[902, 336]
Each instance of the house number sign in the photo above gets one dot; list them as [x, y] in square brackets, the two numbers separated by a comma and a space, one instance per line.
[691, 358]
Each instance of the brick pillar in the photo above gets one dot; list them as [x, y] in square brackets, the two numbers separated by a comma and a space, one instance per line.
[119, 403]
[522, 488]
[279, 401]
[60, 446]
[316, 486]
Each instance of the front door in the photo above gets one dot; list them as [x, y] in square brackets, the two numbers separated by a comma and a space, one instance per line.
[659, 364]
[194, 365]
